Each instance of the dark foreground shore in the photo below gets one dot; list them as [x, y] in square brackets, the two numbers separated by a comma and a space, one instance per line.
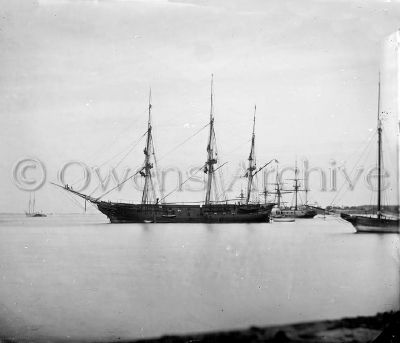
[382, 328]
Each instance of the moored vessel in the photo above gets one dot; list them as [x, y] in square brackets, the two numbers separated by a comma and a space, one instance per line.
[153, 209]
[379, 223]
[298, 211]
[277, 214]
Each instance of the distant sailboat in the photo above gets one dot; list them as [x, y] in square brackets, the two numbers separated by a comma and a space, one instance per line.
[379, 223]
[31, 208]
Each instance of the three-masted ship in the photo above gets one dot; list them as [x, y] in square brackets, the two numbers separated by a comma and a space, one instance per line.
[277, 214]
[298, 210]
[380, 223]
[155, 210]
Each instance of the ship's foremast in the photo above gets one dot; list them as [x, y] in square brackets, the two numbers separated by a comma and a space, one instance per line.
[379, 211]
[211, 153]
[146, 170]
[252, 160]
[279, 191]
[252, 168]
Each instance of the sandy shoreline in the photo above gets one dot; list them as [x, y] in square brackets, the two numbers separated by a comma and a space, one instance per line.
[383, 327]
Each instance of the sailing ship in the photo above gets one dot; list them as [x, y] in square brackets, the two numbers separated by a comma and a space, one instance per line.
[156, 210]
[299, 211]
[277, 215]
[31, 208]
[380, 223]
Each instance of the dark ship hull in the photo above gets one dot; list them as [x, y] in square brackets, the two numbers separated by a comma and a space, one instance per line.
[167, 213]
[372, 224]
[35, 215]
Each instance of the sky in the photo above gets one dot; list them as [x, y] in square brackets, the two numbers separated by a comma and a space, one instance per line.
[75, 79]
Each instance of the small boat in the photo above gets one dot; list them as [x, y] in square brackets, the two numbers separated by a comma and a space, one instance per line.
[283, 219]
[278, 216]
[378, 223]
[31, 208]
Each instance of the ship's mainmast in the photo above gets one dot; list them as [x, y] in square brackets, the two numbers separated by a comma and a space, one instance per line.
[146, 170]
[211, 153]
[278, 191]
[252, 160]
[379, 211]
[296, 185]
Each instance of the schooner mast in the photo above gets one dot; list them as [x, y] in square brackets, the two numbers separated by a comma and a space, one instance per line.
[211, 151]
[379, 210]
[252, 160]
[146, 170]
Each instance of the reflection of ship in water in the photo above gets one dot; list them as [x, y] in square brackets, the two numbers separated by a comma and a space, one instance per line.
[155, 209]
[380, 223]
[31, 208]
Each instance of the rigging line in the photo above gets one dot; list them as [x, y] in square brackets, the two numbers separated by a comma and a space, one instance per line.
[221, 179]
[197, 202]
[222, 182]
[220, 173]
[73, 200]
[390, 152]
[215, 190]
[241, 145]
[174, 190]
[129, 151]
[130, 177]
[108, 145]
[362, 146]
[365, 155]
[100, 184]
[355, 165]
[371, 197]
[385, 193]
[221, 166]
[177, 146]
[156, 167]
[300, 199]
[119, 153]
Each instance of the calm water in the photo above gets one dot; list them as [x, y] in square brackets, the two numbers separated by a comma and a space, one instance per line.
[78, 277]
